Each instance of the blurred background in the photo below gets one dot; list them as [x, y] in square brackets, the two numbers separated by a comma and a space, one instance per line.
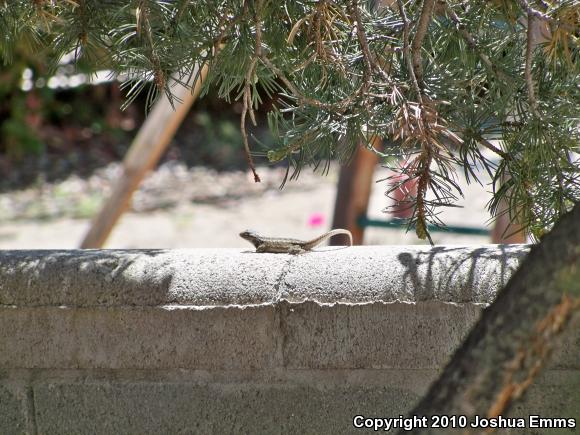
[63, 137]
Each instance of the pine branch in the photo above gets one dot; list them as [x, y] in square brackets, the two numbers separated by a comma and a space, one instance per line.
[406, 51]
[528, 68]
[250, 78]
[487, 144]
[544, 17]
[471, 42]
[362, 39]
[417, 44]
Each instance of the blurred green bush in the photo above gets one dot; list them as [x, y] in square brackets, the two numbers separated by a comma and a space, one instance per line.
[53, 132]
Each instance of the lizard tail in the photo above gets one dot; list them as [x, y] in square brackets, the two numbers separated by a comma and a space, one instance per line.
[342, 231]
[328, 235]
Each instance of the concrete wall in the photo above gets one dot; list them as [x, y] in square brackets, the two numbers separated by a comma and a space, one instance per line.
[223, 341]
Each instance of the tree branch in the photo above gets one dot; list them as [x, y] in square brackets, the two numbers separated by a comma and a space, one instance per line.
[487, 144]
[471, 42]
[247, 93]
[406, 52]
[507, 344]
[528, 69]
[361, 35]
[339, 106]
[529, 361]
[544, 17]
[417, 44]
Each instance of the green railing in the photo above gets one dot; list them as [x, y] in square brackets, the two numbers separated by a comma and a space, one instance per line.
[364, 221]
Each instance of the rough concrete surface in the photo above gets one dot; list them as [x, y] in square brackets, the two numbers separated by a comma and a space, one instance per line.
[13, 406]
[137, 338]
[185, 407]
[228, 341]
[205, 277]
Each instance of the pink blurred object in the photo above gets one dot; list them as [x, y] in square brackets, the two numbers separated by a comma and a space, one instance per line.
[315, 220]
[403, 196]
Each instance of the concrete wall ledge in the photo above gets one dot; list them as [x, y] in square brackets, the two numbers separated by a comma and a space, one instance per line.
[230, 341]
[210, 277]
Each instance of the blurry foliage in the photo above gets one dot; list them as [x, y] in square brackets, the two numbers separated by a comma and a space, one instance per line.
[221, 138]
[211, 135]
[33, 122]
[16, 137]
[23, 113]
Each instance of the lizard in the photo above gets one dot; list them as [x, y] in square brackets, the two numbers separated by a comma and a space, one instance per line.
[288, 246]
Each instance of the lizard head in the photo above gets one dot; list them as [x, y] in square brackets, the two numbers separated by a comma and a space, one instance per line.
[251, 236]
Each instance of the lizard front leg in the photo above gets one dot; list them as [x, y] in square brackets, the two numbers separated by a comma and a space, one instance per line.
[262, 248]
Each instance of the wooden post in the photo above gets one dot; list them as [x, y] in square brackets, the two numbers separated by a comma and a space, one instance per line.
[503, 230]
[506, 232]
[353, 192]
[146, 149]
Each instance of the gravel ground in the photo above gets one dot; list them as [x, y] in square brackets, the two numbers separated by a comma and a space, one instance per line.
[180, 208]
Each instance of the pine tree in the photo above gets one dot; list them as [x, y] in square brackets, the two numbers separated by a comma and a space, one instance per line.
[444, 79]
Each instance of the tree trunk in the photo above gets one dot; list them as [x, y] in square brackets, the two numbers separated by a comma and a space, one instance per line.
[510, 344]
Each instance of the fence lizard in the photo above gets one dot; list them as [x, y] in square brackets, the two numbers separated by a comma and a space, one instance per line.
[288, 246]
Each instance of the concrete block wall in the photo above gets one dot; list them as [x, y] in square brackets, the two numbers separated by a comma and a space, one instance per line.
[229, 341]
